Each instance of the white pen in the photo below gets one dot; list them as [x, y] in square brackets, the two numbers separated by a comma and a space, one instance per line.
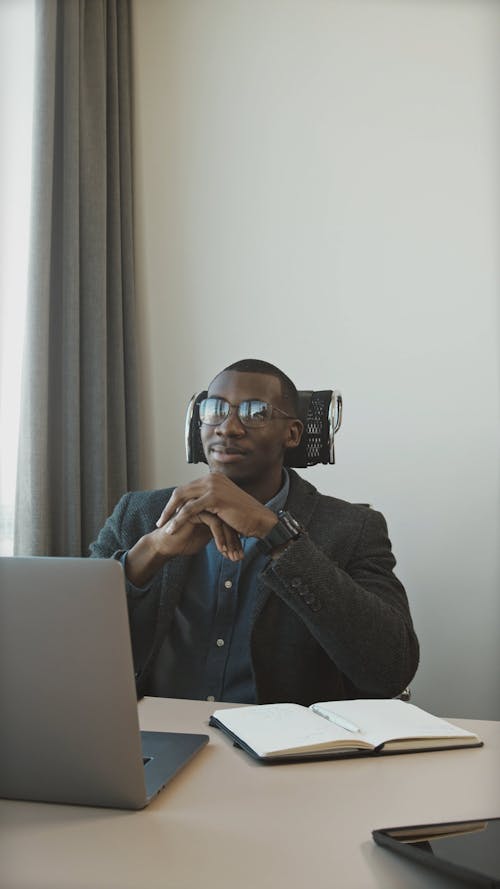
[334, 717]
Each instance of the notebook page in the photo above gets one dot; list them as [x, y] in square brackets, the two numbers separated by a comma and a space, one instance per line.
[271, 728]
[384, 720]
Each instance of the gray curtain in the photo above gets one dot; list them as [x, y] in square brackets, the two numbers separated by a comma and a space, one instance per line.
[78, 430]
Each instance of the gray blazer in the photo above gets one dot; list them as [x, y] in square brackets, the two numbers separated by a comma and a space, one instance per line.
[331, 620]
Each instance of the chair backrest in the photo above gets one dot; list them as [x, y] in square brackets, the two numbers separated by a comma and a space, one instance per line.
[320, 412]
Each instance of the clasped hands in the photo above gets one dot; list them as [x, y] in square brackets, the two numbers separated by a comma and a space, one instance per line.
[212, 506]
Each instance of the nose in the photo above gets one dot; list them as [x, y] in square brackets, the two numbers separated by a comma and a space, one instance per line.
[232, 425]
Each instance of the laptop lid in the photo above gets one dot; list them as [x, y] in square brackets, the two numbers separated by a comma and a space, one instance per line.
[69, 724]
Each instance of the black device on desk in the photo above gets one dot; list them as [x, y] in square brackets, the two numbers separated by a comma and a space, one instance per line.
[467, 850]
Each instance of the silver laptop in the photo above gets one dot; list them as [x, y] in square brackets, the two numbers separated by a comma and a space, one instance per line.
[69, 730]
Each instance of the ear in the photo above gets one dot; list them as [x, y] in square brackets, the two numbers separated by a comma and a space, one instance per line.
[294, 434]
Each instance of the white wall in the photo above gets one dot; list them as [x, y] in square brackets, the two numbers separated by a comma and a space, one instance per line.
[317, 184]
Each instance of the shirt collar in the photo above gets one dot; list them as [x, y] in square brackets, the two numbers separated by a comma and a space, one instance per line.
[278, 501]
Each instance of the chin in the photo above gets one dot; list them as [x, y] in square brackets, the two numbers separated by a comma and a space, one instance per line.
[236, 474]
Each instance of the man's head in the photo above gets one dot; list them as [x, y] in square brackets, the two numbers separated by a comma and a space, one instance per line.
[246, 440]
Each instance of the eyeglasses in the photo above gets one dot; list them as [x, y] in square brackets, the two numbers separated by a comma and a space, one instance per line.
[251, 413]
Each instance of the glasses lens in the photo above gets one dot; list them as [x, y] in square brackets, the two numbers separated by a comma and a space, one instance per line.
[254, 413]
[213, 411]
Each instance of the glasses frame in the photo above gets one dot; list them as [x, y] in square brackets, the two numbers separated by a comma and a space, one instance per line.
[236, 408]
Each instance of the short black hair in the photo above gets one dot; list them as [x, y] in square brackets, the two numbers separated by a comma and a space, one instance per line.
[256, 366]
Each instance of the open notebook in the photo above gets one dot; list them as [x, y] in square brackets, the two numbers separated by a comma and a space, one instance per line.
[277, 732]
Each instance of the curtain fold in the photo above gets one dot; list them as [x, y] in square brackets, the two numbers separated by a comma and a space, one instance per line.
[78, 428]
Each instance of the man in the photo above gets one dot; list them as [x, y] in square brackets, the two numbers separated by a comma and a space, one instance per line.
[230, 598]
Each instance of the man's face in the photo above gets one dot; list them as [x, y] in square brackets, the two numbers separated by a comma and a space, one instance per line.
[244, 455]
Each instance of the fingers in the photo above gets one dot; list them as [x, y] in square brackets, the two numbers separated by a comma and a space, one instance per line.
[181, 496]
[167, 513]
[234, 548]
[187, 513]
[174, 505]
[218, 495]
[172, 510]
[226, 539]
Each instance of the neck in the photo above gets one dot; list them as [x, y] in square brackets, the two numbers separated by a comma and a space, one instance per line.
[264, 489]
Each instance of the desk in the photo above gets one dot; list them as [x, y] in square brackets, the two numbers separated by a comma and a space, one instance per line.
[231, 823]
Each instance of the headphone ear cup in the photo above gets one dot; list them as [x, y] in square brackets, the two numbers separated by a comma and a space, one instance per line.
[194, 447]
[321, 414]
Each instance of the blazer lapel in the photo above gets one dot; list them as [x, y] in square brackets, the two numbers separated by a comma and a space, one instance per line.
[302, 499]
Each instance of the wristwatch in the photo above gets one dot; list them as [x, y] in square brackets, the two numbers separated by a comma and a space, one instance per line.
[287, 528]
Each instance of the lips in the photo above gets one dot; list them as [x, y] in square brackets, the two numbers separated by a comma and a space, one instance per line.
[227, 453]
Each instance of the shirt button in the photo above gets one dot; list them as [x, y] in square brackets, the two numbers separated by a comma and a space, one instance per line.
[220, 643]
[228, 584]
[210, 698]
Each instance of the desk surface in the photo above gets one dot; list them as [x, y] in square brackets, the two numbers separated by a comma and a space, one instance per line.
[227, 821]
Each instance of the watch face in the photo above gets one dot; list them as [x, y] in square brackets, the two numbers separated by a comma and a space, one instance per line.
[287, 528]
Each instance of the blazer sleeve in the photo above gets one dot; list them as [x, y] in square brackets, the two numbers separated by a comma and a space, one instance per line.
[357, 612]
[111, 541]
[135, 514]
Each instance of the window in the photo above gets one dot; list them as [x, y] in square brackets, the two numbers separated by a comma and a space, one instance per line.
[16, 114]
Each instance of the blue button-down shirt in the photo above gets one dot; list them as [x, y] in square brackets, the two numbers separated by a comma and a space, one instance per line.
[207, 651]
